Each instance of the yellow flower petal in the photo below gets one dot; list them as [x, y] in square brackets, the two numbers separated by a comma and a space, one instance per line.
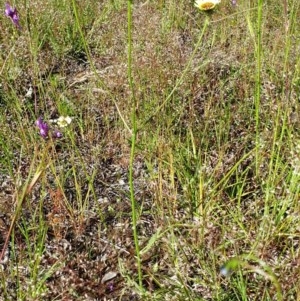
[206, 4]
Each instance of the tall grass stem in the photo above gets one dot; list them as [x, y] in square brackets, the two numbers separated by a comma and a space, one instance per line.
[133, 141]
[184, 72]
[89, 57]
[257, 94]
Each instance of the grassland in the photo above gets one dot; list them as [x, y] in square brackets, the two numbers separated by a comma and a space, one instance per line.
[178, 177]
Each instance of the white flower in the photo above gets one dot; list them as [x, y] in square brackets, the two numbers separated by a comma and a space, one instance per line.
[63, 121]
[29, 93]
[206, 4]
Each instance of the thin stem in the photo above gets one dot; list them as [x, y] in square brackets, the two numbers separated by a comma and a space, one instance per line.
[27, 189]
[89, 57]
[258, 81]
[184, 72]
[133, 141]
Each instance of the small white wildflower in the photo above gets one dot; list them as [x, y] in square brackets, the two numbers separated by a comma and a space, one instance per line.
[63, 121]
[225, 271]
[29, 93]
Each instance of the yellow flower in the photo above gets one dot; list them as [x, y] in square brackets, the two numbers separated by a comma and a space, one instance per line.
[63, 121]
[206, 4]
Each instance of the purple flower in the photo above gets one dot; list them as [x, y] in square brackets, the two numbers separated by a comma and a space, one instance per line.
[12, 14]
[43, 126]
[44, 129]
[233, 2]
[57, 134]
[110, 287]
